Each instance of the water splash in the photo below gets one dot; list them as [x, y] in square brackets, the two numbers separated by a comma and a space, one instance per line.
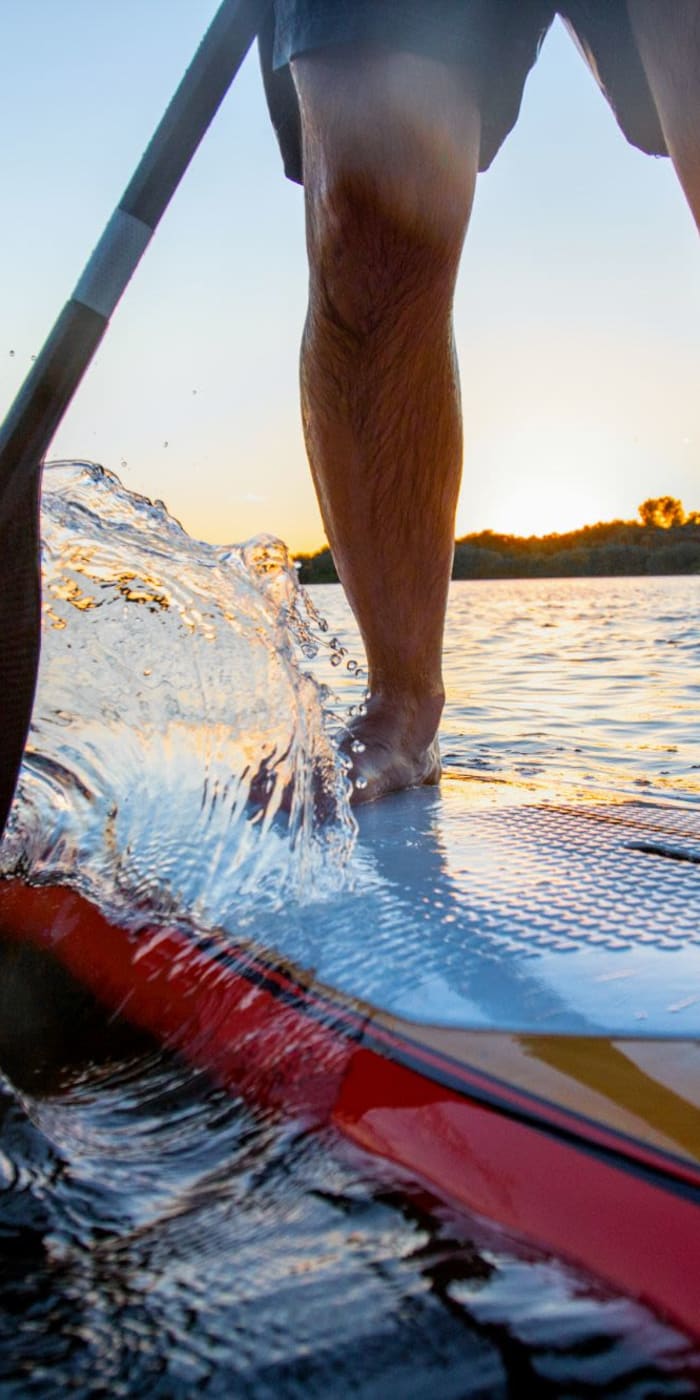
[178, 762]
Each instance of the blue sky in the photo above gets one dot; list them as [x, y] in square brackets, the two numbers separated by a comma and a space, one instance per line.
[576, 316]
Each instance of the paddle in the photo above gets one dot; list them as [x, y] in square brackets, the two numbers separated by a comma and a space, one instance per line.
[49, 387]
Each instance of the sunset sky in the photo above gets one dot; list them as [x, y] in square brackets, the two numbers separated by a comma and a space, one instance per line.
[577, 313]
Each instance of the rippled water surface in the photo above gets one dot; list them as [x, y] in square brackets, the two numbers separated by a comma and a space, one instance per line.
[161, 1236]
[591, 683]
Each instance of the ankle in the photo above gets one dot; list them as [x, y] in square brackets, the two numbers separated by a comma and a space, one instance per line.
[413, 714]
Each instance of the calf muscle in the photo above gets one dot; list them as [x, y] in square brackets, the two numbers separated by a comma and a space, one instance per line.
[386, 217]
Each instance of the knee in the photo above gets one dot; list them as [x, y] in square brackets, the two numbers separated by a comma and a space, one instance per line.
[381, 248]
[389, 179]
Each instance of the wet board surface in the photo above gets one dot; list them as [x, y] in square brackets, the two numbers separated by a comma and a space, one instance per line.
[489, 906]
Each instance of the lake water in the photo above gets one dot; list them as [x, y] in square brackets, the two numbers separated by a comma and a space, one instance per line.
[164, 1238]
[581, 683]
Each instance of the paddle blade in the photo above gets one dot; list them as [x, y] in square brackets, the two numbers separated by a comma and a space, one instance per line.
[20, 626]
[24, 439]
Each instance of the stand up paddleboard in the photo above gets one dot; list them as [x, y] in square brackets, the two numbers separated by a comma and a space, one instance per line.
[507, 1004]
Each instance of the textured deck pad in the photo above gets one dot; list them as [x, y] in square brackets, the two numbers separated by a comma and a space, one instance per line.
[490, 906]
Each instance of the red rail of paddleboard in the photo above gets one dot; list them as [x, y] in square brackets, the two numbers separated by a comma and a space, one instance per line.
[625, 1211]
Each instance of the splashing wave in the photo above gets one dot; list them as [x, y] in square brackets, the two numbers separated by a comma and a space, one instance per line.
[178, 761]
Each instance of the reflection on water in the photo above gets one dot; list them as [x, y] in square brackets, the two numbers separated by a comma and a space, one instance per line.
[163, 1237]
[598, 683]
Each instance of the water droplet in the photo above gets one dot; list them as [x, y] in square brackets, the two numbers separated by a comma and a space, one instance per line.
[336, 659]
[360, 783]
[12, 354]
[351, 665]
[357, 746]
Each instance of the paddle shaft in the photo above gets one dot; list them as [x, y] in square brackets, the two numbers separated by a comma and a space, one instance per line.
[55, 375]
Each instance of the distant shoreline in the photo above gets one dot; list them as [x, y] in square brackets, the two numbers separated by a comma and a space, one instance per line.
[609, 549]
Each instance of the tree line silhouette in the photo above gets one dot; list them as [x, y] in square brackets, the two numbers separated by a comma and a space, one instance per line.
[664, 540]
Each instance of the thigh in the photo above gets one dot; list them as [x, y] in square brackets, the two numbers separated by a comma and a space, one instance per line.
[402, 125]
[667, 33]
[494, 43]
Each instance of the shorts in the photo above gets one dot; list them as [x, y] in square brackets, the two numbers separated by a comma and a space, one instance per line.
[498, 39]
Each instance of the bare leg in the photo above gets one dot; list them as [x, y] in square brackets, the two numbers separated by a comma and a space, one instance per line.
[390, 157]
[668, 36]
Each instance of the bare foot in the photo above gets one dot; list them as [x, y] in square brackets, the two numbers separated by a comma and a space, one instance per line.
[393, 746]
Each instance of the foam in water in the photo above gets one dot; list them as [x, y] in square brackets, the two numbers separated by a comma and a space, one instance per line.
[178, 761]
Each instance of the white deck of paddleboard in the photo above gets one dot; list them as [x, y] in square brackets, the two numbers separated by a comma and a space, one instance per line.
[489, 906]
